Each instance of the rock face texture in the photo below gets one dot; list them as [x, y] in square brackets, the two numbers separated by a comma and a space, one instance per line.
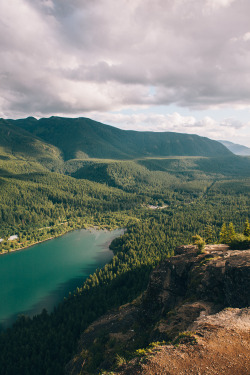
[220, 276]
[205, 294]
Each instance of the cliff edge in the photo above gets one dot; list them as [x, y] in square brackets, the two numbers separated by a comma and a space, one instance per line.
[192, 319]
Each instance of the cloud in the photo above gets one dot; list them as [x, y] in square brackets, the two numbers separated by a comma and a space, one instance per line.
[67, 57]
[209, 127]
[214, 5]
[246, 36]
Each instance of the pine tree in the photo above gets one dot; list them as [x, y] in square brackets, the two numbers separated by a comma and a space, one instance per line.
[209, 237]
[246, 231]
[231, 232]
[224, 237]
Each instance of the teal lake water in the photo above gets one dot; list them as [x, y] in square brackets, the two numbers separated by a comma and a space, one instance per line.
[42, 275]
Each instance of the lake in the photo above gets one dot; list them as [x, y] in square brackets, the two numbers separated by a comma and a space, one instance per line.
[42, 275]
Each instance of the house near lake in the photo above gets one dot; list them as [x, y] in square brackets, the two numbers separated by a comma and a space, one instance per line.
[12, 238]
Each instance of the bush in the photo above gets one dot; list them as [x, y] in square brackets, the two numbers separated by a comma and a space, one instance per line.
[186, 337]
[240, 242]
[199, 241]
[141, 352]
[120, 361]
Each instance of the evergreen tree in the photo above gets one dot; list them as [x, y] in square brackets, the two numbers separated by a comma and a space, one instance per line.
[209, 237]
[224, 236]
[246, 231]
[231, 232]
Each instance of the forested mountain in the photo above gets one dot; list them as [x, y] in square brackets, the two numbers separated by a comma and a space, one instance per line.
[81, 137]
[17, 142]
[236, 148]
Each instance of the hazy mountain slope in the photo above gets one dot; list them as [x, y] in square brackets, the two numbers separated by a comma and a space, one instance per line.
[82, 137]
[236, 148]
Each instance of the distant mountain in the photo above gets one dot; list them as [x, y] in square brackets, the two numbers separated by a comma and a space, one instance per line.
[236, 148]
[82, 138]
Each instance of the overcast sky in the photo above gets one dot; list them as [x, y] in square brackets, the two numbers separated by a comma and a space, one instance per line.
[163, 65]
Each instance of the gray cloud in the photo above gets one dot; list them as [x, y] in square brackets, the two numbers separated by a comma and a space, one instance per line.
[65, 57]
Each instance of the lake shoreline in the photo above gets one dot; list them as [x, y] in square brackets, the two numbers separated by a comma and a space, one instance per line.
[43, 276]
[6, 252]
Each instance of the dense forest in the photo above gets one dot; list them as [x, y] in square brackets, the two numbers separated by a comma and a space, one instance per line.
[161, 201]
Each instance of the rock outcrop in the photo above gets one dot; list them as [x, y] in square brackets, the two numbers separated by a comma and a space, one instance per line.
[186, 293]
[219, 275]
[220, 345]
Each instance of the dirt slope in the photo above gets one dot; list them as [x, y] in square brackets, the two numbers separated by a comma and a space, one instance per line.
[222, 346]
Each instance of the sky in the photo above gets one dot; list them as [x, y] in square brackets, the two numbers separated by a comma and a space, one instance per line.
[161, 65]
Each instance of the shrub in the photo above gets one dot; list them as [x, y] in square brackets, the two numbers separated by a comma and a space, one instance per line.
[240, 242]
[200, 242]
[186, 337]
[141, 352]
[155, 344]
[119, 360]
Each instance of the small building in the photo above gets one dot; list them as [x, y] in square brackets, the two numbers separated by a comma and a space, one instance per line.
[1, 239]
[12, 238]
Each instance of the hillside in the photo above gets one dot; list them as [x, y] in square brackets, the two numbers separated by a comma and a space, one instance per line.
[79, 138]
[185, 305]
[236, 148]
[17, 143]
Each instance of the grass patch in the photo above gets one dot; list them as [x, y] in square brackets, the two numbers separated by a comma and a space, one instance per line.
[185, 337]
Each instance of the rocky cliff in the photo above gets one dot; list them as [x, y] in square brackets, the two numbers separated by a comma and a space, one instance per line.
[194, 311]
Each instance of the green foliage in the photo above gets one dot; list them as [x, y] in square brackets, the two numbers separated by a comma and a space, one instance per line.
[224, 235]
[120, 361]
[236, 241]
[209, 234]
[199, 241]
[142, 352]
[231, 232]
[186, 337]
[246, 230]
[240, 242]
[156, 344]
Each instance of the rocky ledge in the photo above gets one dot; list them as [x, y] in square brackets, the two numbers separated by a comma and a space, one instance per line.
[197, 303]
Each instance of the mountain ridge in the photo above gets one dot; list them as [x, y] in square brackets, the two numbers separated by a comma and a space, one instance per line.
[80, 138]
